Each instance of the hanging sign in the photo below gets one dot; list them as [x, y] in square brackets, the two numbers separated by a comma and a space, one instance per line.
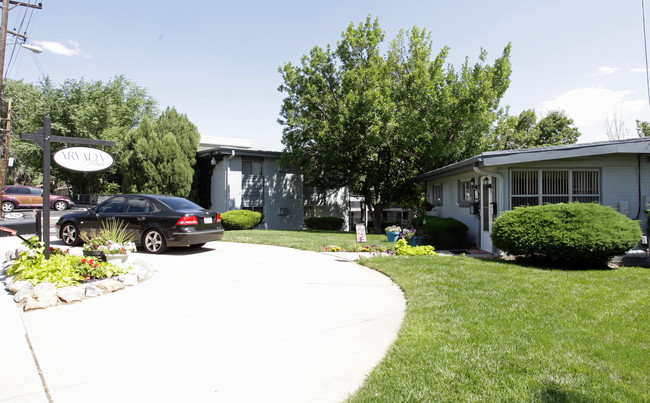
[83, 159]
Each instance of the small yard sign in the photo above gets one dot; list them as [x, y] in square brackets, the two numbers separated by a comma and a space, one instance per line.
[361, 233]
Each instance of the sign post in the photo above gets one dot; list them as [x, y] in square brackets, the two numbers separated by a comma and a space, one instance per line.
[361, 233]
[43, 138]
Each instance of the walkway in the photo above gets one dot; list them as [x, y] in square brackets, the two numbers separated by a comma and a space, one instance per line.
[229, 322]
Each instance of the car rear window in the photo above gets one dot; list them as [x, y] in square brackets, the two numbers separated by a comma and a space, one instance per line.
[179, 204]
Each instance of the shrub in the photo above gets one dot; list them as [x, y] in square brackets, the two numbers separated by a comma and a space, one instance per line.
[571, 232]
[443, 233]
[324, 223]
[241, 219]
[402, 248]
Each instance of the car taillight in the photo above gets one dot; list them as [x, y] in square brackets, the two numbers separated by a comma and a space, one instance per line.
[218, 218]
[189, 220]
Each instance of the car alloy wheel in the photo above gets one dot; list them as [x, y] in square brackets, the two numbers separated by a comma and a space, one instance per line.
[7, 207]
[154, 242]
[60, 205]
[70, 234]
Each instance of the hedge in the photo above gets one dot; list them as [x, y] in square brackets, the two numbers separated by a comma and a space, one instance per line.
[566, 232]
[443, 233]
[324, 223]
[241, 219]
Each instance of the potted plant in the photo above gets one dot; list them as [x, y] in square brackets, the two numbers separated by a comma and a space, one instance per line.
[113, 242]
[392, 232]
[409, 235]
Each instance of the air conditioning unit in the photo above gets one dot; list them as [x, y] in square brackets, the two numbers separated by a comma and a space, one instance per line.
[284, 211]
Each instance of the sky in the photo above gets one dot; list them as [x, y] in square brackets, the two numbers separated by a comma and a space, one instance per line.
[217, 62]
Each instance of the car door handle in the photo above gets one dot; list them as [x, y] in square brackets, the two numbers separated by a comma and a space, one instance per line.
[141, 218]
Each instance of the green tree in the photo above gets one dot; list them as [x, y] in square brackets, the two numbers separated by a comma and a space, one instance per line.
[514, 132]
[160, 156]
[354, 117]
[642, 128]
[86, 109]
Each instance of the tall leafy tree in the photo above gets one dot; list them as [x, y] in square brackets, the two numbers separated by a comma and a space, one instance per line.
[85, 109]
[524, 131]
[160, 156]
[357, 118]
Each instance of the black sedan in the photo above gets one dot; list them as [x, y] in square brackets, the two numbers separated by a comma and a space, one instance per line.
[155, 222]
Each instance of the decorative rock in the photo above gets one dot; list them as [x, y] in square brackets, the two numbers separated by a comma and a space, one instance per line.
[45, 293]
[33, 303]
[17, 285]
[92, 291]
[71, 294]
[110, 285]
[142, 271]
[128, 279]
[25, 292]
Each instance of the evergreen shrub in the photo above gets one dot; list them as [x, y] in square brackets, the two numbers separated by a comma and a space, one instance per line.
[566, 232]
[324, 223]
[443, 233]
[241, 219]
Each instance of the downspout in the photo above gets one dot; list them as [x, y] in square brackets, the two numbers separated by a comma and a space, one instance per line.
[227, 192]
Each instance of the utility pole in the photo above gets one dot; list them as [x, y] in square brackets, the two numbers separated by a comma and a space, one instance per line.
[3, 48]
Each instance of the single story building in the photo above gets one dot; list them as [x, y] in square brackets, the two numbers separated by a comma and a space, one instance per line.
[477, 190]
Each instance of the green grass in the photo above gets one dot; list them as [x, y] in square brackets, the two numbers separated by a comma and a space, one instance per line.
[307, 240]
[480, 330]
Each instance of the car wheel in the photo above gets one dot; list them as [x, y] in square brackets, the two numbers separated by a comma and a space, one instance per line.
[197, 245]
[7, 207]
[154, 241]
[70, 234]
[60, 205]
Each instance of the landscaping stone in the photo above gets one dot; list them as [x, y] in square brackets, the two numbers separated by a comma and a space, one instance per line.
[45, 295]
[71, 294]
[24, 292]
[128, 279]
[109, 285]
[91, 291]
[16, 286]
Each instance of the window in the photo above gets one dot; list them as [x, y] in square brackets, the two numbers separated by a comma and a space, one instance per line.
[252, 185]
[534, 187]
[436, 194]
[464, 193]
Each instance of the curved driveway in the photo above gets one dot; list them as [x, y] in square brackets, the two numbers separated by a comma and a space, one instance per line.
[229, 322]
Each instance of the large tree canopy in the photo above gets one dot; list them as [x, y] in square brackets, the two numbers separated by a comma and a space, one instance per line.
[87, 109]
[354, 117]
[524, 131]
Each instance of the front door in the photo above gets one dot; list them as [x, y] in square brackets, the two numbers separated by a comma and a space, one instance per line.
[488, 186]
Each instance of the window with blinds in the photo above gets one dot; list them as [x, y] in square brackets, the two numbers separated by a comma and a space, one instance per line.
[534, 187]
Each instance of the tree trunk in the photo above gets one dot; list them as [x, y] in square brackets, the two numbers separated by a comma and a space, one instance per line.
[377, 211]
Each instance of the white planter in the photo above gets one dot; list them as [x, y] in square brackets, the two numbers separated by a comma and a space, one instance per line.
[117, 260]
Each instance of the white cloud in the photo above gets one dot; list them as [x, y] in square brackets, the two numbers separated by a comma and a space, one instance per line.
[59, 48]
[590, 107]
[642, 70]
[607, 70]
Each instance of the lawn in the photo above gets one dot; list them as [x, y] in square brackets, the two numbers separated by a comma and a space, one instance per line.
[480, 330]
[307, 240]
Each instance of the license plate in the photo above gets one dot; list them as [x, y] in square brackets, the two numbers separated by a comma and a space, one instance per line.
[207, 220]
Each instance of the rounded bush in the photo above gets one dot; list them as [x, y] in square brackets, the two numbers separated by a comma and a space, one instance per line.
[572, 232]
[443, 233]
[241, 219]
[324, 223]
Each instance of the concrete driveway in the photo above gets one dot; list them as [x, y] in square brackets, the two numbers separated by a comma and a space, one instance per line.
[225, 323]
